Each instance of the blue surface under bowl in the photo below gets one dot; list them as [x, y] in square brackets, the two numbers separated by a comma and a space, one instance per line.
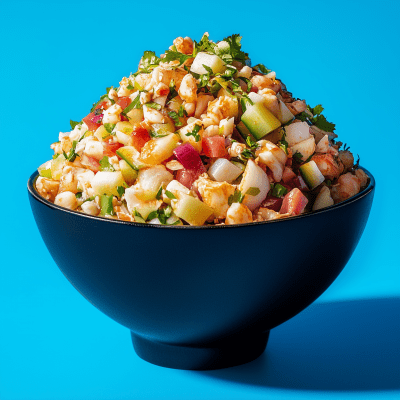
[202, 297]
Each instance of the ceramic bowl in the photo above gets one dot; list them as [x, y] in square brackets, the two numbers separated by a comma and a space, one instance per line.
[202, 297]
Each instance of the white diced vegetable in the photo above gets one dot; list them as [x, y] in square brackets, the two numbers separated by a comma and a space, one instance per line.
[254, 177]
[105, 182]
[284, 114]
[210, 60]
[223, 170]
[306, 148]
[297, 132]
[324, 199]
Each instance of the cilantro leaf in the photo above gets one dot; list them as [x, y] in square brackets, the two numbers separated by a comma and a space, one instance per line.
[235, 51]
[298, 157]
[195, 133]
[251, 143]
[120, 190]
[149, 60]
[171, 55]
[71, 154]
[278, 190]
[78, 195]
[105, 165]
[159, 193]
[208, 69]
[262, 68]
[237, 197]
[138, 217]
[182, 112]
[253, 191]
[283, 144]
[109, 127]
[156, 106]
[321, 122]
[135, 104]
[205, 45]
[175, 117]
[74, 124]
[170, 195]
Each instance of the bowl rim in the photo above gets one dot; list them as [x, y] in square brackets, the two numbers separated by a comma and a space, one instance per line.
[32, 190]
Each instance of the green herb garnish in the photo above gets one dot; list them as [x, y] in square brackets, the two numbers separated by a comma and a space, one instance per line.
[170, 195]
[105, 165]
[175, 117]
[109, 127]
[156, 106]
[195, 133]
[278, 190]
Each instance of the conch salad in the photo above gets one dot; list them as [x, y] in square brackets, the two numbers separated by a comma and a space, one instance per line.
[198, 136]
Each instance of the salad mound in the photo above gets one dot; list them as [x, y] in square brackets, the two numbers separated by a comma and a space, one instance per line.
[199, 136]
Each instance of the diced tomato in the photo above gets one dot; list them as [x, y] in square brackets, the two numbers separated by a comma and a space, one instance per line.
[288, 175]
[299, 183]
[294, 202]
[91, 163]
[109, 149]
[93, 121]
[273, 203]
[214, 146]
[103, 105]
[124, 102]
[140, 136]
[123, 118]
[187, 177]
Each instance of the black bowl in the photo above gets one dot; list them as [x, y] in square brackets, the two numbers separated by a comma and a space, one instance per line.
[202, 297]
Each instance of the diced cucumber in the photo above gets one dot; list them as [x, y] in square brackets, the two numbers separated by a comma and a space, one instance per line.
[259, 120]
[132, 157]
[106, 205]
[45, 170]
[244, 132]
[284, 114]
[128, 172]
[135, 115]
[105, 182]
[191, 210]
[311, 174]
[57, 166]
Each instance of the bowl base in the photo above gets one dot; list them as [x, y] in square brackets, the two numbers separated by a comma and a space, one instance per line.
[227, 354]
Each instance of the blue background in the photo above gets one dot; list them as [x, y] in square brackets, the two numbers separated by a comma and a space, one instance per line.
[57, 58]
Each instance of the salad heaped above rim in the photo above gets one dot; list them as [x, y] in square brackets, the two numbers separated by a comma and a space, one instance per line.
[198, 136]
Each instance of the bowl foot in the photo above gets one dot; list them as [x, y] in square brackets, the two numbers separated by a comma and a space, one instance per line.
[223, 355]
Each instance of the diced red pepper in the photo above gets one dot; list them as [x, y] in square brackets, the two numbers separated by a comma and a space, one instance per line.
[139, 137]
[214, 146]
[294, 202]
[110, 148]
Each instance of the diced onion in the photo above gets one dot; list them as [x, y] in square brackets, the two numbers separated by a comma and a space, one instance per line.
[189, 158]
[223, 170]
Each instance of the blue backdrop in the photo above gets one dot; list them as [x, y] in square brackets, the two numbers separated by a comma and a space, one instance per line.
[57, 58]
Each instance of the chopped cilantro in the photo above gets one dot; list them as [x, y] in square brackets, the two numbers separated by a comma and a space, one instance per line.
[278, 190]
[170, 195]
[328, 182]
[138, 217]
[182, 112]
[251, 143]
[237, 197]
[172, 92]
[283, 144]
[106, 206]
[162, 214]
[135, 104]
[298, 157]
[105, 165]
[55, 155]
[246, 153]
[235, 53]
[109, 127]
[195, 132]
[261, 68]
[205, 45]
[159, 193]
[120, 190]
[130, 87]
[253, 191]
[317, 119]
[149, 61]
[175, 117]
[78, 195]
[208, 69]
[156, 106]
[172, 55]
[74, 123]
[71, 154]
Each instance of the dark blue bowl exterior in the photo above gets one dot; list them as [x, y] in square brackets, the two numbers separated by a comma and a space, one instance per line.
[197, 285]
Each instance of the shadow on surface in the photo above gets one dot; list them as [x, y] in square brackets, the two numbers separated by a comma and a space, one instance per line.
[351, 345]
